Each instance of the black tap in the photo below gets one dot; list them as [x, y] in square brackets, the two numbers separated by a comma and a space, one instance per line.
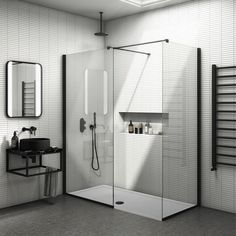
[32, 129]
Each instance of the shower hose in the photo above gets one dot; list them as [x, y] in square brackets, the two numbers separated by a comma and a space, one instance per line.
[94, 150]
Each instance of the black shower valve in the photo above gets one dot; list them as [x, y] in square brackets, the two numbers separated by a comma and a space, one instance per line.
[82, 125]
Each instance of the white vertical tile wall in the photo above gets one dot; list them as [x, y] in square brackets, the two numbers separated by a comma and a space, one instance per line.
[138, 163]
[32, 33]
[210, 25]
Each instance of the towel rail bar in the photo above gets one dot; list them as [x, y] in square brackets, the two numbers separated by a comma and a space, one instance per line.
[229, 115]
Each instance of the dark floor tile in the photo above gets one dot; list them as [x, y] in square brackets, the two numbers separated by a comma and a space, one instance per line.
[71, 216]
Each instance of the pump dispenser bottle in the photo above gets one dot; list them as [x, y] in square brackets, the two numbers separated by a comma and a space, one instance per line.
[14, 141]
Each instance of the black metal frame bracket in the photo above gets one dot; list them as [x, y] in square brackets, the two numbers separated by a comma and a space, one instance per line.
[31, 155]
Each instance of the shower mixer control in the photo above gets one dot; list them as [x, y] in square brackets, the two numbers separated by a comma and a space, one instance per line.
[82, 125]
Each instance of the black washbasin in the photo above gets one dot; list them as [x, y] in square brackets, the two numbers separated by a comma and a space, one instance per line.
[34, 144]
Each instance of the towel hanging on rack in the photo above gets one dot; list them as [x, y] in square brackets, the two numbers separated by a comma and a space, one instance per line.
[51, 182]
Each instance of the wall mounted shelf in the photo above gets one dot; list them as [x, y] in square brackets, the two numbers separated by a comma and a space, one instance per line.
[144, 116]
[141, 112]
[32, 170]
[134, 134]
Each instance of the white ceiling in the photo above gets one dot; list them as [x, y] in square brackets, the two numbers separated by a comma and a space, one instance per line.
[112, 8]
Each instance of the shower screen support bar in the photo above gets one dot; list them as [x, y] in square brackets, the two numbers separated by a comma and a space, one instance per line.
[127, 50]
[139, 44]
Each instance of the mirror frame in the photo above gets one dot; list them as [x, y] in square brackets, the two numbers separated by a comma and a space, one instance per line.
[41, 80]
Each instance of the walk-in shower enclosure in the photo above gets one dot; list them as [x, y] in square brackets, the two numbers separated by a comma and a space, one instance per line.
[153, 172]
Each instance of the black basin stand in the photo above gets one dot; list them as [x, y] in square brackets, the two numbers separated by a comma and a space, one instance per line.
[25, 171]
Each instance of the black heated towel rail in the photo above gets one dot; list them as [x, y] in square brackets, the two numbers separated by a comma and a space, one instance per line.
[223, 145]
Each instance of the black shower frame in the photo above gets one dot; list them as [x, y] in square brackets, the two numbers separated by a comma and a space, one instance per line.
[199, 124]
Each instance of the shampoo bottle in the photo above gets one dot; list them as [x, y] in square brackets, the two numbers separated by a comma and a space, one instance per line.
[150, 129]
[131, 127]
[140, 128]
[146, 128]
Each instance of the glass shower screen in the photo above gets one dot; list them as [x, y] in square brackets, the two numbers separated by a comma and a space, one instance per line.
[180, 143]
[96, 91]
[152, 171]
[89, 126]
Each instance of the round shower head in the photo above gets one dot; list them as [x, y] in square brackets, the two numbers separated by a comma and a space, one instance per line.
[101, 33]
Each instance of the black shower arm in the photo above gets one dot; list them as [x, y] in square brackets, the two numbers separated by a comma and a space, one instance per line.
[101, 21]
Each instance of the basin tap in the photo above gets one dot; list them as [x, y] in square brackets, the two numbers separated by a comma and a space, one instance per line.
[32, 130]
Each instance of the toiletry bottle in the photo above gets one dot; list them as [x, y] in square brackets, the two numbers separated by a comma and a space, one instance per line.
[136, 130]
[14, 141]
[140, 128]
[131, 127]
[150, 131]
[146, 128]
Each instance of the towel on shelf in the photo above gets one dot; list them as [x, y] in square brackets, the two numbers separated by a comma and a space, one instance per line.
[51, 180]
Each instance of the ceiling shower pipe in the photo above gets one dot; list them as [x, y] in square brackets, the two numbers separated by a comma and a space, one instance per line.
[101, 33]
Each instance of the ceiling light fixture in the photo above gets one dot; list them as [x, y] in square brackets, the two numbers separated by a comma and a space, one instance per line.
[144, 3]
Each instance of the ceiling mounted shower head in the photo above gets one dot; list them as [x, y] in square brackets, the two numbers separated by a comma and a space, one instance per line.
[101, 33]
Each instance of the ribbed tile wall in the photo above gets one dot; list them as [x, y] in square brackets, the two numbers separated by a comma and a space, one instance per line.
[210, 25]
[33, 33]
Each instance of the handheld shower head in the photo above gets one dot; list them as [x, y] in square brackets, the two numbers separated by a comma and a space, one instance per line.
[95, 120]
[95, 159]
[101, 33]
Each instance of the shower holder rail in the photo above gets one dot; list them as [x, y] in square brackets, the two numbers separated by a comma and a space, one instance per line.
[216, 154]
[27, 155]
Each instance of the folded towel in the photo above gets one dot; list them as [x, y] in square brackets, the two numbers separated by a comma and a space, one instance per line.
[51, 180]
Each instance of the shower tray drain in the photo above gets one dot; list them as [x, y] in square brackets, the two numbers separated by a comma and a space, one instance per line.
[119, 202]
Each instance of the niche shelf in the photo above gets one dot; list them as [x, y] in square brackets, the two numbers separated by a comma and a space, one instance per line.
[133, 134]
[155, 117]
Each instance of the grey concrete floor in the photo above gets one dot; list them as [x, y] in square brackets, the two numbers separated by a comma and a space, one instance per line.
[71, 216]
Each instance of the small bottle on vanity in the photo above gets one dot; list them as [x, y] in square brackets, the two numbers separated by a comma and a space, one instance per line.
[140, 128]
[150, 131]
[146, 128]
[131, 127]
